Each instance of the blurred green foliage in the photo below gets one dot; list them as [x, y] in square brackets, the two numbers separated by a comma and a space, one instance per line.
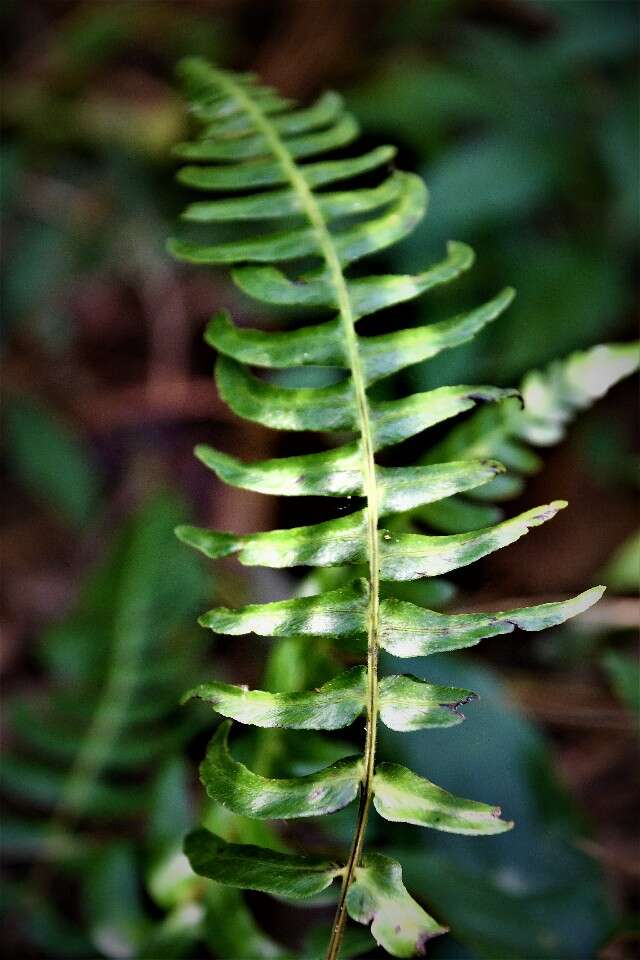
[115, 667]
[528, 150]
[622, 573]
[623, 672]
[51, 462]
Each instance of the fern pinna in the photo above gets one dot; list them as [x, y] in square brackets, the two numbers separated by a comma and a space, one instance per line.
[258, 140]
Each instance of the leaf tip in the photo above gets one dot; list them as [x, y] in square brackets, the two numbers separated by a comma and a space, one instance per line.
[425, 936]
[219, 322]
[222, 733]
[182, 532]
[505, 825]
[591, 596]
[547, 511]
[200, 451]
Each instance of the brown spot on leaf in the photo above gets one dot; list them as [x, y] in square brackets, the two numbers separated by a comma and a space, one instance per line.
[454, 707]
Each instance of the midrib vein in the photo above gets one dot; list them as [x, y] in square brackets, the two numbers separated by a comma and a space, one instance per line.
[106, 725]
[347, 318]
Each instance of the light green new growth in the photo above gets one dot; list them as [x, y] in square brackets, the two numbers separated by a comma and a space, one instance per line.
[253, 139]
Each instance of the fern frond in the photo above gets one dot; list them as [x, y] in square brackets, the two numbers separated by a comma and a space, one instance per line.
[552, 398]
[110, 712]
[294, 246]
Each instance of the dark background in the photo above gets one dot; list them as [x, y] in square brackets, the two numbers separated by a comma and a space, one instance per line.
[521, 117]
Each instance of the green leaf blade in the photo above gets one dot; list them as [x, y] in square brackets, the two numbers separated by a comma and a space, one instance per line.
[324, 111]
[329, 171]
[405, 488]
[340, 134]
[554, 395]
[410, 556]
[281, 408]
[226, 178]
[372, 236]
[370, 294]
[321, 545]
[379, 897]
[408, 703]
[275, 247]
[277, 204]
[339, 612]
[256, 868]
[403, 796]
[319, 345]
[390, 352]
[251, 795]
[407, 630]
[272, 286]
[332, 473]
[334, 705]
[397, 420]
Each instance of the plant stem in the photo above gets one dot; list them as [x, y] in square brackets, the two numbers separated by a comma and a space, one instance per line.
[317, 220]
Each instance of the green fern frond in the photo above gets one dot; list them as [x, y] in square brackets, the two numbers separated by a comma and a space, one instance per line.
[552, 398]
[110, 713]
[294, 246]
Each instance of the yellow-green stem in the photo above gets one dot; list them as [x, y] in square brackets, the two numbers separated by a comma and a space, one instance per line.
[316, 218]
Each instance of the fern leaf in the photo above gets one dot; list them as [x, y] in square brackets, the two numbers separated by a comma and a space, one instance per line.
[551, 399]
[250, 795]
[256, 868]
[294, 246]
[367, 294]
[321, 345]
[401, 795]
[109, 711]
[335, 704]
[405, 556]
[337, 473]
[378, 896]
[408, 703]
[407, 630]
[554, 396]
[341, 612]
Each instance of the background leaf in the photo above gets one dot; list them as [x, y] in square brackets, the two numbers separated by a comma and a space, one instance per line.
[51, 461]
